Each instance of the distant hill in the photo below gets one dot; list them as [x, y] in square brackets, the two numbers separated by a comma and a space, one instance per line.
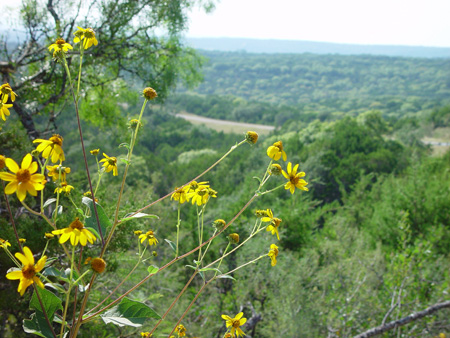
[298, 47]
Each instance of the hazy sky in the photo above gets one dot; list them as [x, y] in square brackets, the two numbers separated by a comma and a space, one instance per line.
[389, 22]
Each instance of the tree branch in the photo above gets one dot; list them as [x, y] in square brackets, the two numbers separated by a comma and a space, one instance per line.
[403, 321]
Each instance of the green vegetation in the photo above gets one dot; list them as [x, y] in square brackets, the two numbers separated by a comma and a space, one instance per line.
[369, 243]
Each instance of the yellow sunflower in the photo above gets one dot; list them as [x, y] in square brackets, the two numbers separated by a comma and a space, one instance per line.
[51, 148]
[276, 151]
[76, 232]
[64, 188]
[60, 46]
[150, 235]
[23, 179]
[110, 163]
[274, 223]
[201, 195]
[179, 195]
[273, 253]
[58, 172]
[181, 330]
[29, 270]
[4, 110]
[294, 179]
[5, 91]
[235, 324]
[87, 35]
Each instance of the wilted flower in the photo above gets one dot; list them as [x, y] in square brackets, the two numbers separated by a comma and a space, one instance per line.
[60, 47]
[273, 253]
[87, 35]
[276, 151]
[51, 148]
[4, 110]
[5, 91]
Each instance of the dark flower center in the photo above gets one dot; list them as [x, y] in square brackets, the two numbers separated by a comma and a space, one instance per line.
[56, 139]
[28, 271]
[76, 224]
[23, 175]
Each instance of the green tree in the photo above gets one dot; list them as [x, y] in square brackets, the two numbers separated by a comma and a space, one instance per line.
[139, 41]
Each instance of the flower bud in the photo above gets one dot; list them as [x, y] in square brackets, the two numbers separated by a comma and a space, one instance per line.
[149, 93]
[95, 152]
[233, 238]
[154, 253]
[251, 137]
[219, 224]
[135, 124]
[275, 169]
[98, 265]
[49, 235]
[138, 232]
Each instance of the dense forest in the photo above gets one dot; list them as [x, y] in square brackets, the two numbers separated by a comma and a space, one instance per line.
[368, 244]
[274, 88]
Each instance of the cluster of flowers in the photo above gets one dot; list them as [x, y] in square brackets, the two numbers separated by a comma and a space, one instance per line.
[199, 193]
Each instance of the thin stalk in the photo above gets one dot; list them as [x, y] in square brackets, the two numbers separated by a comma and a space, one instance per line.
[265, 174]
[130, 152]
[268, 191]
[39, 214]
[174, 302]
[11, 218]
[79, 321]
[66, 305]
[209, 243]
[239, 267]
[194, 179]
[189, 307]
[237, 247]
[221, 259]
[178, 229]
[172, 262]
[84, 150]
[42, 191]
[121, 283]
[79, 72]
[43, 310]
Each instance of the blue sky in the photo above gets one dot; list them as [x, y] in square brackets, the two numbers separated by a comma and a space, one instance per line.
[386, 22]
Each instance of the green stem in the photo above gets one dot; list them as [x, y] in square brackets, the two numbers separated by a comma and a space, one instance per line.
[265, 174]
[221, 259]
[239, 267]
[81, 277]
[130, 152]
[66, 305]
[83, 149]
[178, 228]
[171, 262]
[268, 191]
[79, 72]
[194, 179]
[42, 191]
[209, 243]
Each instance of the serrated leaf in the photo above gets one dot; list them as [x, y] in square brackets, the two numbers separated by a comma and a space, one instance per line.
[138, 215]
[152, 269]
[211, 269]
[129, 313]
[172, 245]
[49, 201]
[226, 277]
[91, 222]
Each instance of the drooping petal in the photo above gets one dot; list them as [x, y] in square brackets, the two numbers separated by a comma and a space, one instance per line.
[40, 264]
[23, 285]
[11, 188]
[21, 192]
[83, 239]
[17, 274]
[284, 155]
[38, 282]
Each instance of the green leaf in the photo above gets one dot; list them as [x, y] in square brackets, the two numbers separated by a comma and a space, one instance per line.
[125, 145]
[130, 313]
[152, 269]
[37, 324]
[211, 269]
[202, 275]
[50, 301]
[138, 215]
[91, 222]
[125, 161]
[49, 201]
[226, 277]
[172, 245]
[192, 267]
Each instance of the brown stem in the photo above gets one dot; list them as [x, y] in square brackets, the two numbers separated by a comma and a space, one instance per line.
[174, 302]
[172, 261]
[188, 308]
[11, 218]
